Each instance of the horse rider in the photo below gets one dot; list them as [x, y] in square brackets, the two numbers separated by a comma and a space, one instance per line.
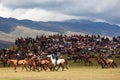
[55, 56]
[18, 57]
[105, 57]
[86, 56]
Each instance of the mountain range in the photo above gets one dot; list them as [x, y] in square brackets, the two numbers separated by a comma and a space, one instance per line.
[11, 28]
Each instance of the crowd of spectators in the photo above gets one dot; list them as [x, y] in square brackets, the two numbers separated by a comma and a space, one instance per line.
[63, 44]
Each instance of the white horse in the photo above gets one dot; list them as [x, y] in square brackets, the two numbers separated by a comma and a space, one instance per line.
[60, 62]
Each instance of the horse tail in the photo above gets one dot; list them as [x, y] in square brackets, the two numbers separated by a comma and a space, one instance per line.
[66, 64]
[114, 64]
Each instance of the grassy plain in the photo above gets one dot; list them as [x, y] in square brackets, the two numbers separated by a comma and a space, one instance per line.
[74, 73]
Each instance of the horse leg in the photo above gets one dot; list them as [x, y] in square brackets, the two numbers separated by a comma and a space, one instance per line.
[23, 67]
[62, 67]
[114, 64]
[53, 69]
[50, 67]
[34, 67]
[44, 67]
[109, 65]
[30, 68]
[15, 67]
[66, 66]
[58, 67]
[102, 65]
[26, 67]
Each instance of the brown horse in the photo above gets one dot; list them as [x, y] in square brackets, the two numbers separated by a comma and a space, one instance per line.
[31, 62]
[15, 64]
[110, 63]
[43, 64]
[100, 62]
[105, 63]
[36, 64]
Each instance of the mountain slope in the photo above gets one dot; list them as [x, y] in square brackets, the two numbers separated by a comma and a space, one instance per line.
[4, 44]
[8, 25]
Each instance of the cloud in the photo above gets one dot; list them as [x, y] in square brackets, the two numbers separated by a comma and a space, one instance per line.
[105, 10]
[35, 14]
[32, 3]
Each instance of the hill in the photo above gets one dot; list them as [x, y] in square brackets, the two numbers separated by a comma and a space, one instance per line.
[8, 25]
[11, 28]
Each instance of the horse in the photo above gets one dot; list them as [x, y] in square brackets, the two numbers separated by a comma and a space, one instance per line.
[36, 63]
[4, 61]
[5, 58]
[60, 63]
[31, 60]
[105, 63]
[15, 63]
[110, 63]
[44, 64]
[75, 58]
[86, 60]
[100, 62]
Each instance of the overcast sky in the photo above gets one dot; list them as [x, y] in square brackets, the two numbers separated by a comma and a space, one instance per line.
[58, 10]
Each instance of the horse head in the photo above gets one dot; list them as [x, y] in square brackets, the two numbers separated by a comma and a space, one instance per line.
[49, 57]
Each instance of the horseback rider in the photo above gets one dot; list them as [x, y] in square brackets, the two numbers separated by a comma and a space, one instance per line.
[105, 57]
[87, 56]
[55, 56]
[18, 57]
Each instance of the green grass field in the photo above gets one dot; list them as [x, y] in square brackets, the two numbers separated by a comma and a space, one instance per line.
[77, 71]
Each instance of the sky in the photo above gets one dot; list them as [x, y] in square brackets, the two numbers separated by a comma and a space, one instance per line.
[60, 10]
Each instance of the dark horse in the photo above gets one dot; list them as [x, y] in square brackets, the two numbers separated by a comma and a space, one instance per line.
[100, 62]
[4, 61]
[5, 58]
[77, 57]
[87, 61]
[105, 63]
